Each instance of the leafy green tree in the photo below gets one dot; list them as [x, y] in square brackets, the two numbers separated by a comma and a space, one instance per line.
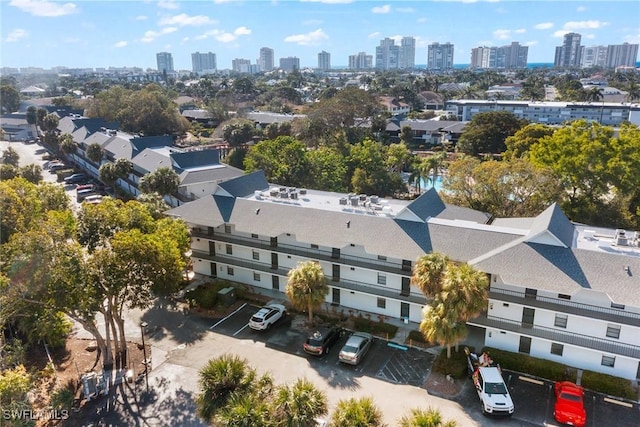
[8, 172]
[283, 160]
[32, 117]
[41, 113]
[11, 157]
[307, 287]
[95, 153]
[428, 273]
[398, 157]
[327, 169]
[300, 404]
[406, 135]
[32, 173]
[238, 133]
[151, 112]
[430, 417]
[164, 181]
[15, 383]
[370, 174]
[518, 144]
[108, 104]
[9, 99]
[353, 412]
[486, 133]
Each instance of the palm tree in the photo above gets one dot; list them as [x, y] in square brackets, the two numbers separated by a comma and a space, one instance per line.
[164, 181]
[434, 164]
[95, 153]
[109, 175]
[307, 286]
[430, 417]
[219, 380]
[419, 171]
[353, 412]
[442, 326]
[595, 94]
[298, 405]
[428, 273]
[633, 92]
[68, 146]
[244, 410]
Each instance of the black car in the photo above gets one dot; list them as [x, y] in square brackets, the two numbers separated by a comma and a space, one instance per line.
[320, 341]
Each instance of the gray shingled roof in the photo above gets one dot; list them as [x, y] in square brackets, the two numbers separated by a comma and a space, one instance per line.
[213, 174]
[555, 222]
[246, 184]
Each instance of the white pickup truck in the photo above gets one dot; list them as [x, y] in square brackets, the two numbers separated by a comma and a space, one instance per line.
[492, 391]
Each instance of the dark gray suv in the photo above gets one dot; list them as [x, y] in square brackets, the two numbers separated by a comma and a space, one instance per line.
[319, 342]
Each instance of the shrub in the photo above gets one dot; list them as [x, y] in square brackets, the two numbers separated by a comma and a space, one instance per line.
[62, 398]
[548, 369]
[608, 384]
[377, 328]
[456, 366]
[416, 336]
[206, 295]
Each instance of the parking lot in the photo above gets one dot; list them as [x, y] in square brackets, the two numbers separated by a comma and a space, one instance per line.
[532, 397]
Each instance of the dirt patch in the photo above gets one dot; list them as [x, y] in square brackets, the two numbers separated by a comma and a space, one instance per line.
[442, 386]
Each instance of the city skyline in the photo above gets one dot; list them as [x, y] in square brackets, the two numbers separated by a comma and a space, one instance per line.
[130, 34]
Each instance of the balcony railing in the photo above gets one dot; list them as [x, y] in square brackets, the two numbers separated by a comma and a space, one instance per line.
[555, 335]
[350, 285]
[349, 260]
[566, 306]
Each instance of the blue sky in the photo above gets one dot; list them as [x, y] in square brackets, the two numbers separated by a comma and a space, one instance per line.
[89, 33]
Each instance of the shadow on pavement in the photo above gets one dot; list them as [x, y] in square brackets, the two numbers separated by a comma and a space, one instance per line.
[168, 321]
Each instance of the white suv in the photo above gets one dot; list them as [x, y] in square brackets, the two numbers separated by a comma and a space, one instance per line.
[492, 391]
[267, 316]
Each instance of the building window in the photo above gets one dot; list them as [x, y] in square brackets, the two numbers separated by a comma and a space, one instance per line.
[230, 271]
[382, 258]
[613, 331]
[557, 349]
[618, 306]
[254, 236]
[382, 279]
[256, 255]
[229, 250]
[608, 361]
[314, 246]
[564, 296]
[256, 277]
[561, 321]
[227, 228]
[382, 303]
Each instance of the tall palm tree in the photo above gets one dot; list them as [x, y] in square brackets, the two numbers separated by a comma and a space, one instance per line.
[307, 286]
[442, 326]
[219, 380]
[419, 171]
[633, 91]
[430, 417]
[428, 273]
[298, 405]
[435, 163]
[244, 410]
[595, 94]
[95, 153]
[67, 145]
[353, 412]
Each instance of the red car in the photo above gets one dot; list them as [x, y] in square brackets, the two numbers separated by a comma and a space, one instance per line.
[569, 408]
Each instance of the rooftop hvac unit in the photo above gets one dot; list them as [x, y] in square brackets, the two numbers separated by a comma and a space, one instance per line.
[343, 200]
[363, 197]
[274, 193]
[283, 189]
[292, 190]
[374, 199]
[294, 195]
[354, 201]
[302, 191]
[257, 194]
[386, 210]
[621, 238]
[284, 195]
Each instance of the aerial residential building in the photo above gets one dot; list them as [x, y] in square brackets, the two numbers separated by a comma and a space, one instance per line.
[551, 113]
[440, 56]
[594, 56]
[240, 65]
[360, 61]
[407, 53]
[266, 60]
[513, 56]
[387, 55]
[558, 291]
[324, 61]
[289, 64]
[569, 54]
[622, 55]
[165, 62]
[203, 62]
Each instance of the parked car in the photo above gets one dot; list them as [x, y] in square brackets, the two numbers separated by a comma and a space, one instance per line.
[492, 391]
[267, 316]
[356, 347]
[56, 165]
[320, 341]
[93, 199]
[76, 178]
[569, 406]
[85, 187]
[81, 195]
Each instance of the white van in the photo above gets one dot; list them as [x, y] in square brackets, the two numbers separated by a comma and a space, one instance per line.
[93, 199]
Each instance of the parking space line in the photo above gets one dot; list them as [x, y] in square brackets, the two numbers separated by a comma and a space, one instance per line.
[240, 330]
[225, 318]
[618, 402]
[531, 380]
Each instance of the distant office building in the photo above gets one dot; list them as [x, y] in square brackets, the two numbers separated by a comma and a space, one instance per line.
[265, 62]
[203, 62]
[569, 54]
[621, 55]
[387, 55]
[360, 61]
[407, 53]
[513, 56]
[241, 65]
[594, 56]
[440, 56]
[324, 61]
[165, 62]
[289, 64]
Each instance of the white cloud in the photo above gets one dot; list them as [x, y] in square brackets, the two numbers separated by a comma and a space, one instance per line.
[381, 9]
[151, 35]
[632, 38]
[16, 35]
[141, 18]
[223, 36]
[121, 43]
[531, 43]
[183, 20]
[584, 25]
[168, 4]
[374, 35]
[520, 31]
[405, 9]
[422, 20]
[502, 34]
[44, 8]
[309, 39]
[242, 31]
[581, 9]
[327, 1]
[312, 22]
[543, 26]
